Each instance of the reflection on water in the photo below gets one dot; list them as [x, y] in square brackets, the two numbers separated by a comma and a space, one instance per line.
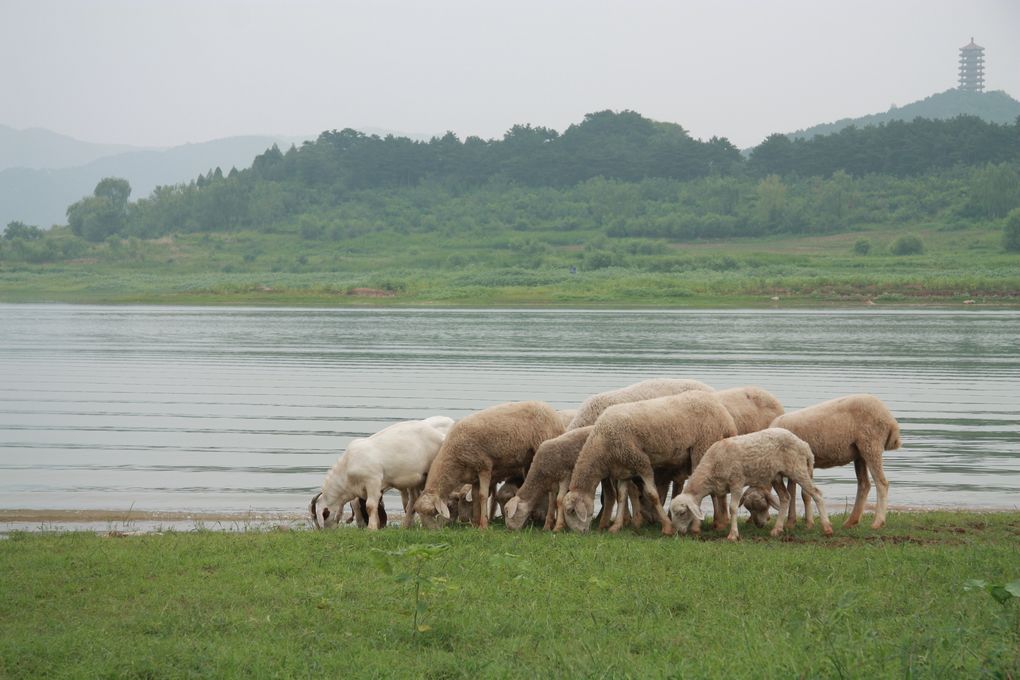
[245, 409]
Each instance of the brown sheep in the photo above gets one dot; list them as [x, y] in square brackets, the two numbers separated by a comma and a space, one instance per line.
[857, 428]
[594, 405]
[489, 446]
[629, 440]
[549, 474]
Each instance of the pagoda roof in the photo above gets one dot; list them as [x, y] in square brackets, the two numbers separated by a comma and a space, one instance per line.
[972, 46]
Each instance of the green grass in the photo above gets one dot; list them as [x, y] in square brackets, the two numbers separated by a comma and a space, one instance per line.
[888, 603]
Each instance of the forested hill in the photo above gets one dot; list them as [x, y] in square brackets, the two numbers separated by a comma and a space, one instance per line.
[340, 167]
[991, 107]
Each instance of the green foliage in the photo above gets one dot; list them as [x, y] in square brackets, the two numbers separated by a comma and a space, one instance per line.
[20, 230]
[995, 190]
[1003, 593]
[908, 244]
[103, 214]
[862, 246]
[411, 561]
[1011, 231]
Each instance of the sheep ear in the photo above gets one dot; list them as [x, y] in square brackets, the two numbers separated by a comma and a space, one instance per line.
[510, 509]
[582, 512]
[743, 496]
[443, 509]
[697, 512]
[773, 501]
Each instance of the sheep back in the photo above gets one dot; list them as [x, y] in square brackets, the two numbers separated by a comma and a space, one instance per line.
[839, 428]
[554, 461]
[752, 407]
[593, 406]
[752, 459]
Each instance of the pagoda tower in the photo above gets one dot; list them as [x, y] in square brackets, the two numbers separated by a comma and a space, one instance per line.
[972, 68]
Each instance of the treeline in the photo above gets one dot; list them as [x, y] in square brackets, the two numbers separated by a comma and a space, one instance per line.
[803, 185]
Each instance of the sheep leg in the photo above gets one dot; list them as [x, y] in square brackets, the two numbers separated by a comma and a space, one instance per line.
[411, 496]
[621, 502]
[476, 511]
[735, 494]
[608, 503]
[372, 504]
[561, 513]
[863, 487]
[484, 480]
[720, 518]
[648, 483]
[637, 516]
[791, 515]
[809, 515]
[874, 463]
[492, 500]
[550, 511]
[785, 500]
[809, 486]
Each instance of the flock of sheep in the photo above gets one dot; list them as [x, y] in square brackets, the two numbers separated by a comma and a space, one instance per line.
[542, 466]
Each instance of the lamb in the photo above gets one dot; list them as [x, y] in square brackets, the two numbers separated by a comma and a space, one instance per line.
[594, 405]
[758, 460]
[549, 475]
[857, 428]
[629, 440]
[488, 446]
[398, 457]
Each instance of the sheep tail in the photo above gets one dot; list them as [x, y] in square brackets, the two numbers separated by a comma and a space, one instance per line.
[892, 441]
[312, 509]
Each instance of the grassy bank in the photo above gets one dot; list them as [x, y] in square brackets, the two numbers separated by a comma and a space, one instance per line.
[302, 604]
[577, 269]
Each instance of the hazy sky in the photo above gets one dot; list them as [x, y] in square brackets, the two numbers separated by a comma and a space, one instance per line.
[164, 72]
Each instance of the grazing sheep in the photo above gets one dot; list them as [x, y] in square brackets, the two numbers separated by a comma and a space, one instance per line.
[594, 405]
[549, 474]
[396, 457]
[485, 447]
[857, 428]
[758, 460]
[566, 415]
[629, 440]
[752, 407]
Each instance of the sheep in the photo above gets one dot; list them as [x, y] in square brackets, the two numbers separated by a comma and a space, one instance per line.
[752, 407]
[594, 405]
[566, 415]
[398, 456]
[488, 446]
[549, 474]
[758, 460]
[857, 428]
[629, 440]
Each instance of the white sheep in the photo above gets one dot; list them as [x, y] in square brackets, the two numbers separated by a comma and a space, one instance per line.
[397, 457]
[857, 428]
[758, 459]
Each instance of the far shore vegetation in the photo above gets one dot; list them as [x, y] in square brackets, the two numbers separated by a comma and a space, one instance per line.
[616, 210]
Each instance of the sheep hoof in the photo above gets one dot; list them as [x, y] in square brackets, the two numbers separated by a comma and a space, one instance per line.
[877, 525]
[733, 538]
[847, 524]
[827, 531]
[614, 529]
[775, 532]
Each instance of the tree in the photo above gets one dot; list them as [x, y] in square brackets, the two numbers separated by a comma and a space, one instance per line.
[22, 231]
[1010, 232]
[995, 190]
[104, 213]
[907, 245]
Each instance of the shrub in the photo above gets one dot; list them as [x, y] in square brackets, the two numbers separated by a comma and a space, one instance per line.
[862, 247]
[909, 244]
[1011, 231]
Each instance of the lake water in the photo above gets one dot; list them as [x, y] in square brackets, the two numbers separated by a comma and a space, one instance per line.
[244, 410]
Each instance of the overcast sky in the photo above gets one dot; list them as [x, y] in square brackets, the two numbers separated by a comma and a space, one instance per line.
[165, 72]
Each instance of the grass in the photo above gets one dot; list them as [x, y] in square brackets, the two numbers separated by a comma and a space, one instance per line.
[248, 268]
[888, 603]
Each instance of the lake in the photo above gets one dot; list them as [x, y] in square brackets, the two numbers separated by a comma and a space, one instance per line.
[241, 410]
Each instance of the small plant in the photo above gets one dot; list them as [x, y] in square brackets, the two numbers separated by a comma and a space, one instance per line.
[1011, 231]
[908, 244]
[1002, 593]
[862, 247]
[413, 559]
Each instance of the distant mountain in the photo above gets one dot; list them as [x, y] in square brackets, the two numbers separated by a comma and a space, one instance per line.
[993, 107]
[41, 196]
[37, 148]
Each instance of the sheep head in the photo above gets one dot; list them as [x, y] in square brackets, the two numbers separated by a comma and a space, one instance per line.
[758, 501]
[516, 513]
[685, 512]
[324, 516]
[432, 509]
[578, 510]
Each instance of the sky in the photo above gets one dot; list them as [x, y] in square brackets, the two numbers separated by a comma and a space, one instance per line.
[168, 72]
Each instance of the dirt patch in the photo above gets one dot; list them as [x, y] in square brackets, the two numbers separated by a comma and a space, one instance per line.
[370, 292]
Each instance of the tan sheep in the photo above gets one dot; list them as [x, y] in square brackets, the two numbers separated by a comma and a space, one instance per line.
[630, 440]
[566, 415]
[549, 475]
[752, 407]
[758, 460]
[489, 446]
[857, 428]
[593, 406]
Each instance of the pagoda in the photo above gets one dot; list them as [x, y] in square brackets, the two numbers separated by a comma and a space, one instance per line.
[972, 68]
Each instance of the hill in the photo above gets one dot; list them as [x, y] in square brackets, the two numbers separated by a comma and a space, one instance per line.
[991, 107]
[38, 149]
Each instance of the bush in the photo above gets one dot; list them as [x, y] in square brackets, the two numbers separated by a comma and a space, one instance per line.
[1011, 231]
[907, 245]
[862, 247]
